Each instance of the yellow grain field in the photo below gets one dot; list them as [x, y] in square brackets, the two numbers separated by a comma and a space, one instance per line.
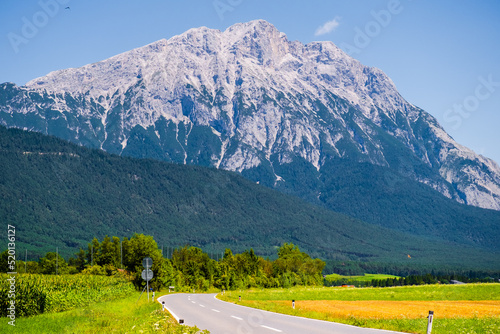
[376, 309]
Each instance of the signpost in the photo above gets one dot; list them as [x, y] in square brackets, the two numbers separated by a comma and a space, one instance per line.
[147, 274]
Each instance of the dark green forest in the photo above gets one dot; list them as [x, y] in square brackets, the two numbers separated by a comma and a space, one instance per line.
[58, 194]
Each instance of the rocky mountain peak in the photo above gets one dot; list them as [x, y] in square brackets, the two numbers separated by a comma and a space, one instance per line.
[249, 100]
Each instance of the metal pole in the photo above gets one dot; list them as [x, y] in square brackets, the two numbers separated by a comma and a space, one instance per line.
[429, 323]
[147, 282]
[121, 255]
[140, 295]
[57, 258]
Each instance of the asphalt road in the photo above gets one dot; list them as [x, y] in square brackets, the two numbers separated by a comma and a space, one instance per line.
[207, 312]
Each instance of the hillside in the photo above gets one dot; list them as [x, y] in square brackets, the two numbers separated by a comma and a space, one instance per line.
[61, 195]
[380, 196]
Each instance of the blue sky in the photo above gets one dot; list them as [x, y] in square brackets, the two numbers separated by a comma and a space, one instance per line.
[444, 56]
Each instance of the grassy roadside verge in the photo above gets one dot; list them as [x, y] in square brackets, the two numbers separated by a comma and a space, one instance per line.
[123, 315]
[279, 300]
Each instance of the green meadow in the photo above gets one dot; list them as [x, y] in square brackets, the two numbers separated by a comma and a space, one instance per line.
[484, 291]
[359, 278]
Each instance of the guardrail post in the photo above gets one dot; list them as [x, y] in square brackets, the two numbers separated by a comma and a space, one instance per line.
[293, 304]
[429, 323]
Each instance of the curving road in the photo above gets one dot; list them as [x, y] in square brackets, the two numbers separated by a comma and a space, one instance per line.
[207, 312]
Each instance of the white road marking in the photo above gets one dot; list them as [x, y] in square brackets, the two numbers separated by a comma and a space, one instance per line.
[215, 310]
[236, 317]
[273, 329]
[193, 302]
[202, 305]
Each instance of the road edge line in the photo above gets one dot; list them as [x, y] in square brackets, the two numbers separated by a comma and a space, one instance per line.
[169, 311]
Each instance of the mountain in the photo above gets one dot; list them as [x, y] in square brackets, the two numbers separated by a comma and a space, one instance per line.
[305, 119]
[58, 194]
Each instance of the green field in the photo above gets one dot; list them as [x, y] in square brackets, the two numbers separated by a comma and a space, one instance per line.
[421, 292]
[319, 303]
[364, 278]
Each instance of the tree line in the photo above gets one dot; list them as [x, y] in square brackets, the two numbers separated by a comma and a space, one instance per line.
[359, 268]
[188, 268]
[416, 280]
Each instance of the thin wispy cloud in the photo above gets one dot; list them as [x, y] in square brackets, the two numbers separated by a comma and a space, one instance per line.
[328, 27]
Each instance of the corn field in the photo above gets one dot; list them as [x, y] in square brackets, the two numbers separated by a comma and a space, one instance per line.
[36, 294]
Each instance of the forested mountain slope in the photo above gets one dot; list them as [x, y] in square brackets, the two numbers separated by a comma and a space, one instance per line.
[58, 194]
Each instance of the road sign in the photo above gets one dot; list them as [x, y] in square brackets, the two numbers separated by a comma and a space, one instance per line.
[147, 274]
[147, 262]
